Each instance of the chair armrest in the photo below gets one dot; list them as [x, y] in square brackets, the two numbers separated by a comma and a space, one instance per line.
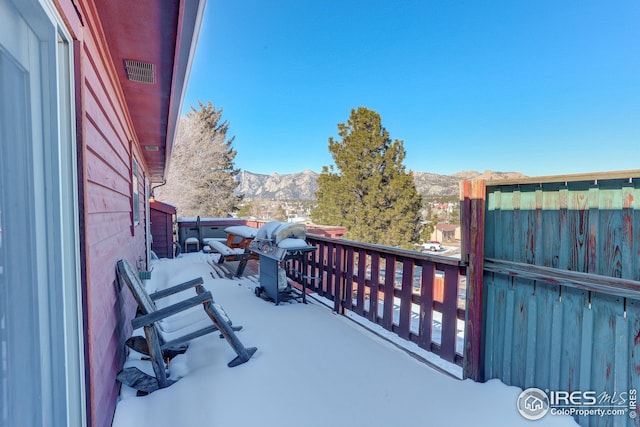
[175, 289]
[148, 319]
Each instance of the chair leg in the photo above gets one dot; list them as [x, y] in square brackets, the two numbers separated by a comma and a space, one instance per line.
[244, 354]
[241, 267]
[155, 353]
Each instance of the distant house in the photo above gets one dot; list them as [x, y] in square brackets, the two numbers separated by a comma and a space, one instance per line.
[90, 95]
[335, 232]
[446, 233]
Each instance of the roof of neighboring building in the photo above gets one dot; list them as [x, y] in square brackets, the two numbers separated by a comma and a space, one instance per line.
[162, 207]
[447, 227]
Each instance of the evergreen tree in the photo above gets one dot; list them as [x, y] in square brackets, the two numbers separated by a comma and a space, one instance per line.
[279, 214]
[202, 177]
[368, 191]
[429, 223]
[247, 210]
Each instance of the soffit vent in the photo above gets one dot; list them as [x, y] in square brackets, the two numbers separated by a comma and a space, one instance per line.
[138, 71]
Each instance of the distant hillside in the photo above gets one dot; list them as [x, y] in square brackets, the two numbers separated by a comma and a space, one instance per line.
[303, 185]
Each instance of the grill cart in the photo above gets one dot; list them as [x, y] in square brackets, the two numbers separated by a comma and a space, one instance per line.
[276, 243]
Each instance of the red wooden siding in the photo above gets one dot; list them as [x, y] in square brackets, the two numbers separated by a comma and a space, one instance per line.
[105, 138]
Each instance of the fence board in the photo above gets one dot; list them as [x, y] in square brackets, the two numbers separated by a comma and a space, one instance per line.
[338, 279]
[517, 246]
[426, 306]
[348, 280]
[529, 217]
[489, 336]
[555, 355]
[633, 202]
[449, 315]
[320, 271]
[498, 329]
[610, 250]
[551, 231]
[388, 292]
[606, 310]
[576, 237]
[621, 357]
[633, 351]
[539, 236]
[627, 240]
[573, 301]
[505, 241]
[508, 331]
[362, 269]
[546, 298]
[594, 228]
[373, 289]
[586, 334]
[531, 342]
[330, 271]
[406, 293]
[489, 225]
[522, 290]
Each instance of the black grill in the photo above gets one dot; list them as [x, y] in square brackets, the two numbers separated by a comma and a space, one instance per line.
[277, 243]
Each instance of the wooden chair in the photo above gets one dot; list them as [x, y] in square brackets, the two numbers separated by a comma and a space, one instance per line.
[150, 316]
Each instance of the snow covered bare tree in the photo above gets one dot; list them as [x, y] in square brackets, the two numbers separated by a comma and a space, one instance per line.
[202, 176]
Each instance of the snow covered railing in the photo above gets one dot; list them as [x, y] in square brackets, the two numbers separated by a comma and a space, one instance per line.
[418, 296]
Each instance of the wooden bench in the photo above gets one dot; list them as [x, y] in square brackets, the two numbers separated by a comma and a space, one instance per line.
[236, 247]
[150, 317]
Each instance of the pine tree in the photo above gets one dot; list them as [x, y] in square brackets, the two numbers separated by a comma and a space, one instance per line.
[279, 214]
[202, 177]
[368, 191]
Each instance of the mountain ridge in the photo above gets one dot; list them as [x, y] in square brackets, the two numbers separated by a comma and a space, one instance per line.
[303, 185]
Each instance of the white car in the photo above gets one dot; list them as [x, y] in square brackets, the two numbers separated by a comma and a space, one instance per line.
[432, 245]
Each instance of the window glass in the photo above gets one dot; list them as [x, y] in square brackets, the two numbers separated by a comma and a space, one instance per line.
[3, 325]
[19, 350]
[39, 287]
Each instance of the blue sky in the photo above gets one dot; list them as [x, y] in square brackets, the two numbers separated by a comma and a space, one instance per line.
[542, 87]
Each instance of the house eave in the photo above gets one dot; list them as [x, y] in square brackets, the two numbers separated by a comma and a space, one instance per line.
[162, 36]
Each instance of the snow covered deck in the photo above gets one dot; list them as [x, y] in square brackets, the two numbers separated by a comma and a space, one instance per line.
[312, 368]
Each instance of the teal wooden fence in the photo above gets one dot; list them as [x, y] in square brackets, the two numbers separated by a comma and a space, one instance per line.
[554, 291]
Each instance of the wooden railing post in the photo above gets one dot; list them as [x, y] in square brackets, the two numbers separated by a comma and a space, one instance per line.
[338, 281]
[473, 204]
[389, 290]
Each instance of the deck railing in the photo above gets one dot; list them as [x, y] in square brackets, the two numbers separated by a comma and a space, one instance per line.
[420, 297]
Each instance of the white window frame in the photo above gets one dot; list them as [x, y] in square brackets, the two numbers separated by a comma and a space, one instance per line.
[135, 192]
[74, 353]
[147, 216]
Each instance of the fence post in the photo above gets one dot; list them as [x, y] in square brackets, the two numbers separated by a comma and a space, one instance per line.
[338, 282]
[473, 195]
